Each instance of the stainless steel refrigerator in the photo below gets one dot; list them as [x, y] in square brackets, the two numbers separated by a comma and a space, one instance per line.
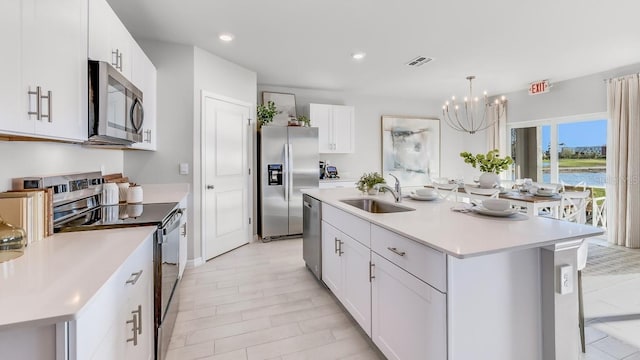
[288, 163]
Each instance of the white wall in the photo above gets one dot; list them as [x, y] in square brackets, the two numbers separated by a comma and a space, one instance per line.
[183, 72]
[583, 95]
[31, 158]
[368, 112]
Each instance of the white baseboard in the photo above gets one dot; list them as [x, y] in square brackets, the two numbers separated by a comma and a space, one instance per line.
[195, 263]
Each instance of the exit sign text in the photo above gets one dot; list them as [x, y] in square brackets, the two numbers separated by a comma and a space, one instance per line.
[539, 87]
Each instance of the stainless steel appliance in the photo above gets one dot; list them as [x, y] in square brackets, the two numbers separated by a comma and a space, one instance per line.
[77, 207]
[312, 234]
[116, 113]
[288, 163]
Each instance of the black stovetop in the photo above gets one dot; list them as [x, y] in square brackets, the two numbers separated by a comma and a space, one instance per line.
[115, 216]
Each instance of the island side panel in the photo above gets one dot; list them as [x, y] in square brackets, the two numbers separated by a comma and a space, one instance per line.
[493, 306]
[561, 338]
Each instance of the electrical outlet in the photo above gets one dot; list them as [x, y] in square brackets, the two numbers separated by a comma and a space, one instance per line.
[566, 279]
[184, 168]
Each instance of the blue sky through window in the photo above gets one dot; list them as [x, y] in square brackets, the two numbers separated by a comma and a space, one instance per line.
[586, 133]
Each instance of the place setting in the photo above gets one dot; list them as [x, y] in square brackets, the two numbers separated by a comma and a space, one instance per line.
[499, 209]
[426, 194]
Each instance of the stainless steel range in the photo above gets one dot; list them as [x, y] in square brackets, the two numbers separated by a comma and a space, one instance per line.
[76, 207]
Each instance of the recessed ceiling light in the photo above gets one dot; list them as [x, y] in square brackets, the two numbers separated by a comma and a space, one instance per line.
[358, 55]
[226, 37]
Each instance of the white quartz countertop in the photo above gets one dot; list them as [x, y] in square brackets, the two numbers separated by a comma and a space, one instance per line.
[58, 276]
[460, 234]
[163, 193]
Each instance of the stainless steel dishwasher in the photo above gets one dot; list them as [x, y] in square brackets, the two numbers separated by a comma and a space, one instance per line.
[312, 234]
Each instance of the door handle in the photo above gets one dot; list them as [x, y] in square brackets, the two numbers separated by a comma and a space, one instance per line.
[210, 187]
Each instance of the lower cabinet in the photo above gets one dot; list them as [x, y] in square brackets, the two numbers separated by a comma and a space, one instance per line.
[345, 270]
[118, 324]
[408, 316]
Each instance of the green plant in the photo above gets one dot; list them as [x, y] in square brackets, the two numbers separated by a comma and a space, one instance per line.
[266, 113]
[368, 180]
[304, 120]
[490, 162]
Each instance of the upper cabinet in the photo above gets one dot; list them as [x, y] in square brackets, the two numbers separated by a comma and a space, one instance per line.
[143, 75]
[44, 88]
[336, 127]
[110, 41]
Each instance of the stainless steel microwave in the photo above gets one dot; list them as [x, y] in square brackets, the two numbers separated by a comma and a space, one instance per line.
[116, 112]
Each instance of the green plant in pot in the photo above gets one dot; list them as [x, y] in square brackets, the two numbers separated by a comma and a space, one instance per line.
[265, 113]
[368, 181]
[491, 164]
[304, 121]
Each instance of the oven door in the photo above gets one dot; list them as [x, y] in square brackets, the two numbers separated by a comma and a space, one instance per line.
[168, 249]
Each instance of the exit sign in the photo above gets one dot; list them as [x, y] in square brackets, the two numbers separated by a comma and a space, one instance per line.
[539, 87]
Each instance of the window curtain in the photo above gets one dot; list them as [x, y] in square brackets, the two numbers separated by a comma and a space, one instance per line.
[623, 161]
[497, 133]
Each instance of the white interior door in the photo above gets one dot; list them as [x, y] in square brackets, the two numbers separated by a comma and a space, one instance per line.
[226, 175]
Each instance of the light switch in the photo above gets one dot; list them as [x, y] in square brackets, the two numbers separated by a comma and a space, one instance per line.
[566, 279]
[184, 168]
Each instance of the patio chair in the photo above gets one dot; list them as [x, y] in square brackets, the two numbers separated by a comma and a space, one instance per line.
[446, 190]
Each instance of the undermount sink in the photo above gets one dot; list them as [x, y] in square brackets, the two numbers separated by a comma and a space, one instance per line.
[376, 206]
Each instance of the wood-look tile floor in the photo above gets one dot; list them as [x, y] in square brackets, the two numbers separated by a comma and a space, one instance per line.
[260, 302]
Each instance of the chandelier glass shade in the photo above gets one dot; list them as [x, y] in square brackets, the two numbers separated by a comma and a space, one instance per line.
[473, 114]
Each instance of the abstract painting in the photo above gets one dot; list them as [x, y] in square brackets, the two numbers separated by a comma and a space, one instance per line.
[285, 104]
[410, 149]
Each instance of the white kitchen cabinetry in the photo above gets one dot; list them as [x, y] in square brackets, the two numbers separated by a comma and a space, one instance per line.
[184, 238]
[409, 316]
[118, 324]
[345, 270]
[143, 76]
[336, 127]
[46, 96]
[109, 39]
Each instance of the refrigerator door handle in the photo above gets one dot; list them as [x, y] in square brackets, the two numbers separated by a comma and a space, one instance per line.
[286, 173]
[290, 170]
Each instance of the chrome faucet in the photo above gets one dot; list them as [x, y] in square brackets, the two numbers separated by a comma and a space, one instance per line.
[395, 191]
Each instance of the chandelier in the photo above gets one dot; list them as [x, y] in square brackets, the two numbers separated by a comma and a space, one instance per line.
[473, 114]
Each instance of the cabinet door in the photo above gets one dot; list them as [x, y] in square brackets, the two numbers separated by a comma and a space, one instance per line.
[408, 316]
[343, 124]
[356, 292]
[143, 76]
[331, 260]
[138, 313]
[184, 239]
[54, 57]
[320, 116]
[100, 17]
[13, 112]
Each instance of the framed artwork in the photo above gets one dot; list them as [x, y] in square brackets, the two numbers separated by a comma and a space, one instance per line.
[285, 103]
[410, 149]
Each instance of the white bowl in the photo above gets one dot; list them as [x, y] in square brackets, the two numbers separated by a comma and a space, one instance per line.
[496, 204]
[425, 192]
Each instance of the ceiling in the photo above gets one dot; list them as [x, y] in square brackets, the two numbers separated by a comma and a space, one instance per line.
[506, 44]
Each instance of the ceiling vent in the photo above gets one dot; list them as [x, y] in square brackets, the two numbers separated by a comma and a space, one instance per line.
[418, 61]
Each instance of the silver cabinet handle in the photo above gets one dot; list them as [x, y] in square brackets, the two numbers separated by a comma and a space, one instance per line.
[139, 324]
[210, 187]
[120, 61]
[114, 55]
[335, 245]
[148, 133]
[340, 252]
[135, 276]
[134, 329]
[38, 94]
[371, 276]
[396, 251]
[184, 230]
[49, 101]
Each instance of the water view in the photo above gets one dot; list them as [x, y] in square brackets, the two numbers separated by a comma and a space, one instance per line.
[596, 179]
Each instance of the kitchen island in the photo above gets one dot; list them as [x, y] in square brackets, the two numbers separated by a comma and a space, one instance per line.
[432, 283]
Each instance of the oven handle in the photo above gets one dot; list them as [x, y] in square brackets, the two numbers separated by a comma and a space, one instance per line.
[173, 223]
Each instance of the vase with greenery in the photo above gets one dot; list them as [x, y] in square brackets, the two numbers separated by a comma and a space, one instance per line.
[266, 113]
[368, 181]
[491, 164]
